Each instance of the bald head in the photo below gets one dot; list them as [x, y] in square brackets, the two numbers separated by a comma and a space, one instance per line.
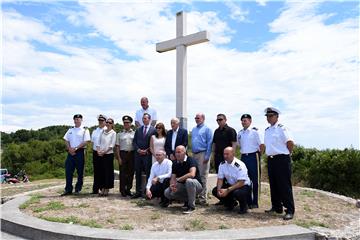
[229, 154]
[180, 153]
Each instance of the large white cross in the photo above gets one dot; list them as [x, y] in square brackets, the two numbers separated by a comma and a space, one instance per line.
[180, 43]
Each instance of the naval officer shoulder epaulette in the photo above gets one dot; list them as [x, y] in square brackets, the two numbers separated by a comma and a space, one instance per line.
[267, 128]
[280, 125]
[255, 128]
[222, 162]
[237, 165]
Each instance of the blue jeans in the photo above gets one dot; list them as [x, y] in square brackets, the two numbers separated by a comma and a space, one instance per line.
[72, 163]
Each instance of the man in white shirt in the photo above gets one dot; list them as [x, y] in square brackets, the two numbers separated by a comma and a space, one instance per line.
[145, 109]
[279, 145]
[159, 178]
[233, 183]
[251, 147]
[76, 139]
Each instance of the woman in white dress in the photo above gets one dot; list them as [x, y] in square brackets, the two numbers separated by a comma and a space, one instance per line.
[157, 141]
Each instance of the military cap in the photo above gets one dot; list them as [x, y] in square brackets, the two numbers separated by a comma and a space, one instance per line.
[271, 110]
[245, 116]
[101, 117]
[77, 116]
[127, 118]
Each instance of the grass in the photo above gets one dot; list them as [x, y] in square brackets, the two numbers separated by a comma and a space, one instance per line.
[155, 216]
[307, 193]
[110, 220]
[311, 223]
[72, 220]
[33, 199]
[82, 205]
[54, 205]
[222, 226]
[142, 203]
[307, 208]
[127, 227]
[195, 225]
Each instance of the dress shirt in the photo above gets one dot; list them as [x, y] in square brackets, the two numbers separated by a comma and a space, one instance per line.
[275, 139]
[77, 135]
[107, 140]
[173, 139]
[95, 136]
[161, 171]
[234, 172]
[140, 113]
[124, 139]
[249, 140]
[201, 140]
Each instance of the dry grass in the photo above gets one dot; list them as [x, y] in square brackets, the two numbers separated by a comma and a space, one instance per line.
[115, 212]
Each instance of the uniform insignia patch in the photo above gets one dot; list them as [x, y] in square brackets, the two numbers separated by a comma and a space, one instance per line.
[255, 128]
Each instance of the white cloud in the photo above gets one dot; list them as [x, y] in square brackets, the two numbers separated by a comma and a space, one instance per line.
[236, 11]
[305, 70]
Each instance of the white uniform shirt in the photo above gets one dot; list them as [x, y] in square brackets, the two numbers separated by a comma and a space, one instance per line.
[75, 136]
[139, 114]
[275, 139]
[95, 136]
[249, 140]
[161, 171]
[234, 172]
[107, 140]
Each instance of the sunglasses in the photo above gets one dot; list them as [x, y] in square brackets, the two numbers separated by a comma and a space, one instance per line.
[110, 122]
[219, 119]
[101, 120]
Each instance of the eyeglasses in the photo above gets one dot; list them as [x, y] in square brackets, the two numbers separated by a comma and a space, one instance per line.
[197, 118]
[127, 122]
[219, 119]
[101, 120]
[158, 128]
[109, 122]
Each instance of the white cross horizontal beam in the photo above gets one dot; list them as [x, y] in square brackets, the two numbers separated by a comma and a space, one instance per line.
[188, 40]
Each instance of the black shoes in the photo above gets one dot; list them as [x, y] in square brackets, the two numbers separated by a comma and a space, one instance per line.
[165, 203]
[288, 216]
[273, 210]
[66, 194]
[231, 206]
[189, 210]
[136, 195]
[243, 210]
[128, 193]
[219, 203]
[123, 194]
[253, 206]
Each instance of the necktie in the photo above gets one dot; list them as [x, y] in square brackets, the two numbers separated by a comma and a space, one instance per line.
[144, 133]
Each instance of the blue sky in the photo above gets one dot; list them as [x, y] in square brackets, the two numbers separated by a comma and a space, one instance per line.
[61, 58]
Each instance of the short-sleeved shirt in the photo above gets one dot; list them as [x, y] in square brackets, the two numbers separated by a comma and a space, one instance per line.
[139, 114]
[249, 140]
[223, 138]
[233, 172]
[180, 169]
[275, 139]
[77, 135]
[124, 139]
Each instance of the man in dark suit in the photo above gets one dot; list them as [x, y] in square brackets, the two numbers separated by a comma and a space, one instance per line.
[142, 152]
[175, 137]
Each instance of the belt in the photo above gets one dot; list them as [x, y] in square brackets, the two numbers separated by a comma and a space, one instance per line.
[277, 155]
[199, 152]
[123, 151]
[247, 154]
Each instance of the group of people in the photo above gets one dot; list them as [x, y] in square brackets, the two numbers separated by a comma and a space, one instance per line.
[173, 174]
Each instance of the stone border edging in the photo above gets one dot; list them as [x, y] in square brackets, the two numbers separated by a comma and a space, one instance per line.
[20, 224]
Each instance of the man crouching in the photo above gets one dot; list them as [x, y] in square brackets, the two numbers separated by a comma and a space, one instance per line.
[236, 185]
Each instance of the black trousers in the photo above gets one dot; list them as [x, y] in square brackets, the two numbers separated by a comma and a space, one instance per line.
[126, 170]
[96, 169]
[158, 189]
[240, 194]
[279, 171]
[218, 159]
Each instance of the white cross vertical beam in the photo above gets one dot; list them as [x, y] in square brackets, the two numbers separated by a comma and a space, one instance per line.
[180, 43]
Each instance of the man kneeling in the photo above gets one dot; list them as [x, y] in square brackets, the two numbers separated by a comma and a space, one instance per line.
[159, 178]
[236, 186]
[185, 181]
